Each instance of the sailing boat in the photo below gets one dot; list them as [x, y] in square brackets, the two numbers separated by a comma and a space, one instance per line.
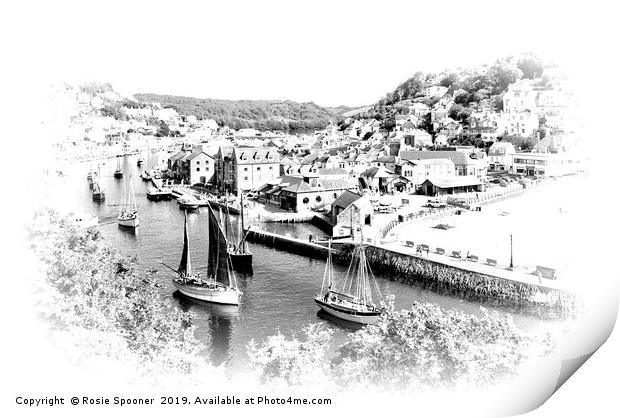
[129, 209]
[220, 285]
[353, 302]
[118, 173]
[89, 177]
[240, 255]
[98, 192]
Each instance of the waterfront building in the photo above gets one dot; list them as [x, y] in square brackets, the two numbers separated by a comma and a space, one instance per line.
[500, 156]
[349, 212]
[553, 155]
[538, 164]
[200, 167]
[467, 161]
[448, 186]
[417, 171]
[253, 167]
[299, 194]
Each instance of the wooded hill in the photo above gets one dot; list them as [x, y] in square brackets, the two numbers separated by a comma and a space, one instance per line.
[258, 114]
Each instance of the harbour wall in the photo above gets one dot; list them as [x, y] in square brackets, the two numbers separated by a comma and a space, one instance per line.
[433, 275]
[447, 279]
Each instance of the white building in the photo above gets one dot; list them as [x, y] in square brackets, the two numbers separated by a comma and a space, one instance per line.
[201, 167]
[435, 91]
[519, 123]
[500, 156]
[543, 164]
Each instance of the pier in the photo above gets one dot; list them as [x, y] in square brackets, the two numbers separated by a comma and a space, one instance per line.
[290, 244]
[463, 278]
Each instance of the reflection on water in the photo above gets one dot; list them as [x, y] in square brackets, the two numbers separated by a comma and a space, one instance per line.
[277, 296]
[220, 319]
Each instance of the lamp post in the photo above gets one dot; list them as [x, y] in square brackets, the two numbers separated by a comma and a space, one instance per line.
[511, 265]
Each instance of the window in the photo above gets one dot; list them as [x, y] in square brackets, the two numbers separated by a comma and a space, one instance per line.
[245, 178]
[197, 168]
[271, 167]
[305, 201]
[257, 168]
[318, 199]
[206, 168]
[245, 169]
[335, 195]
[197, 162]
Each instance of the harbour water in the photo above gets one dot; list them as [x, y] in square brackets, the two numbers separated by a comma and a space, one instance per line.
[278, 296]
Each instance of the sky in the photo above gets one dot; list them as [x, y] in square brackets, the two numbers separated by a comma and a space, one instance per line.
[329, 52]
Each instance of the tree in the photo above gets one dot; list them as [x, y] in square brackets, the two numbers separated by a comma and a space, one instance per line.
[502, 74]
[163, 129]
[498, 102]
[433, 346]
[90, 293]
[450, 80]
[531, 67]
[405, 350]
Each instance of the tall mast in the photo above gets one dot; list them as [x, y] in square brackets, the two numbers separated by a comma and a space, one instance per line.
[132, 196]
[124, 201]
[242, 233]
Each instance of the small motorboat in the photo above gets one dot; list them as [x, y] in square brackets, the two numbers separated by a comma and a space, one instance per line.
[188, 202]
[156, 194]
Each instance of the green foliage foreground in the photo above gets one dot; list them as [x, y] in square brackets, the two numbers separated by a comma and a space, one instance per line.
[97, 301]
[95, 298]
[426, 346]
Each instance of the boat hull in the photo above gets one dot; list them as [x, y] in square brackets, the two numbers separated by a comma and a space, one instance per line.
[129, 222]
[366, 318]
[158, 196]
[222, 295]
[241, 261]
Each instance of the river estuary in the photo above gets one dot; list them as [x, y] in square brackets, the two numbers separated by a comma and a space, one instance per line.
[278, 296]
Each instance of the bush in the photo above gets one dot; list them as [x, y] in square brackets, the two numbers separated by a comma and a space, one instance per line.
[89, 289]
[423, 347]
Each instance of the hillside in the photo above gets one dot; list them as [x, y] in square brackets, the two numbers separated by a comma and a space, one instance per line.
[469, 87]
[258, 114]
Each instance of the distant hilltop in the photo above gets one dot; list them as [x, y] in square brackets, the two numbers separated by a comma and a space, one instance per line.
[264, 115]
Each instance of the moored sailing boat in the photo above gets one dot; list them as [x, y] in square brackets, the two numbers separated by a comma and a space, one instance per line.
[90, 177]
[220, 285]
[353, 302]
[240, 255]
[98, 192]
[118, 173]
[129, 209]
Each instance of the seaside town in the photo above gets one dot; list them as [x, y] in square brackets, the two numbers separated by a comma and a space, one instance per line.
[360, 176]
[444, 196]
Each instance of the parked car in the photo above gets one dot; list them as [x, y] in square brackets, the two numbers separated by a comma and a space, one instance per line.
[435, 203]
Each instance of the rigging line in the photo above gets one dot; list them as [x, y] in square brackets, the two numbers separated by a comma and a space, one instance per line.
[348, 270]
[374, 279]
